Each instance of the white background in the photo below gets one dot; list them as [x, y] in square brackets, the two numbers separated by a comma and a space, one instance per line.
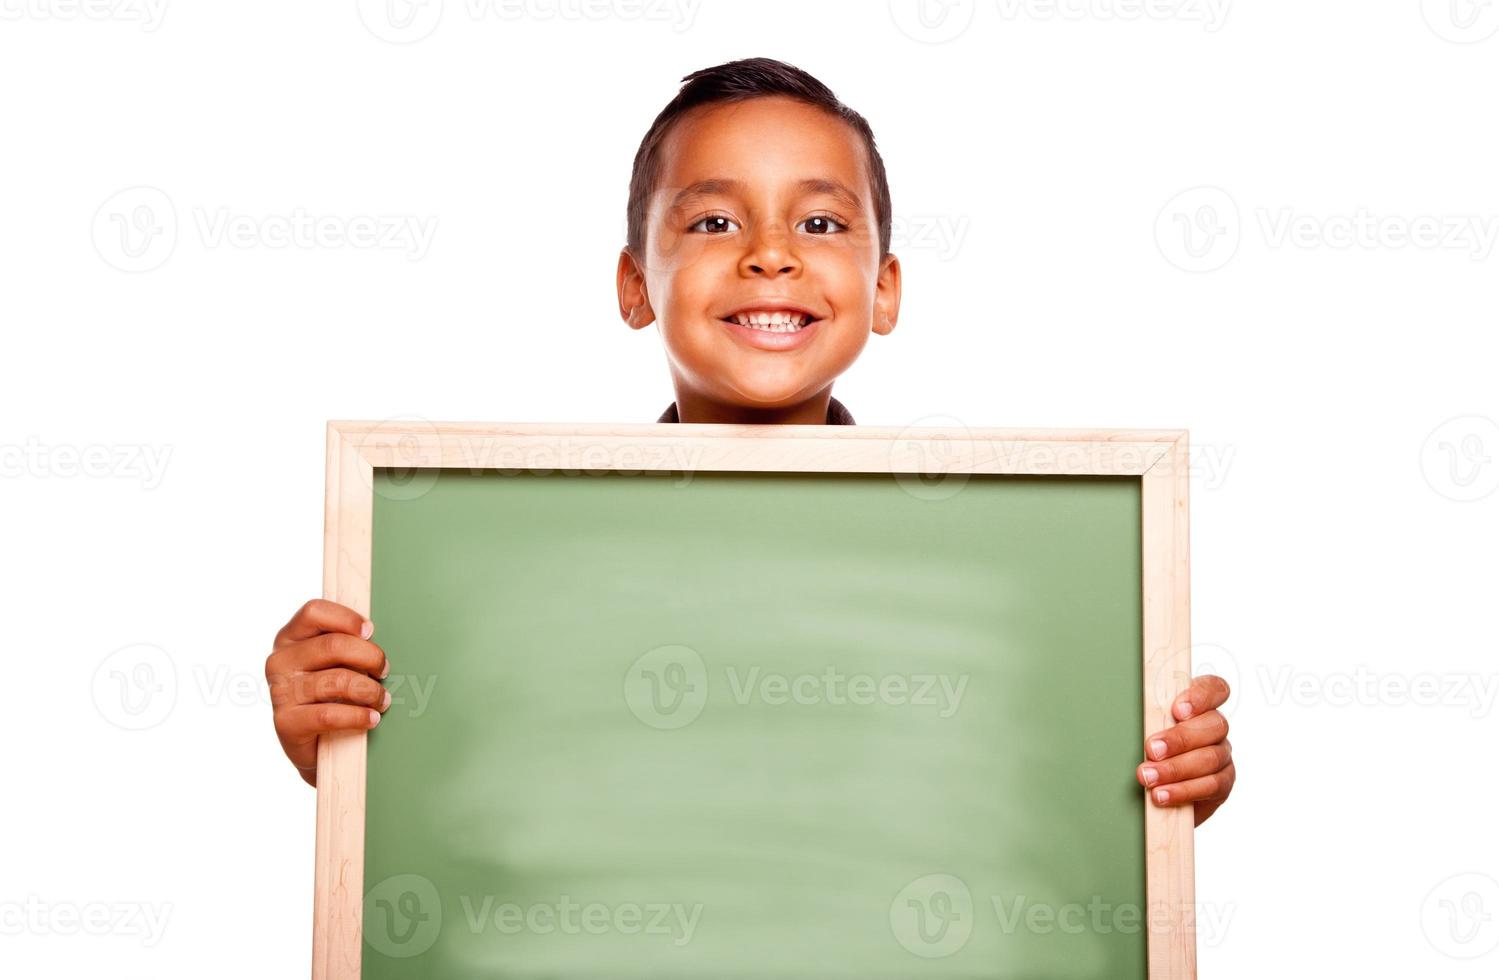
[1255, 222]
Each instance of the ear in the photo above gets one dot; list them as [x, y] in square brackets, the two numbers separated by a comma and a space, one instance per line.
[887, 296]
[634, 305]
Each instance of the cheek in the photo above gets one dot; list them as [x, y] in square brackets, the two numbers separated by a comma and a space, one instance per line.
[670, 253]
[846, 276]
[689, 292]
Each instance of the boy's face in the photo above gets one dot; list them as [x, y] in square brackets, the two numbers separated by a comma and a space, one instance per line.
[763, 207]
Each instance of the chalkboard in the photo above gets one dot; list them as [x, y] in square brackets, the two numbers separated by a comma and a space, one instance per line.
[770, 724]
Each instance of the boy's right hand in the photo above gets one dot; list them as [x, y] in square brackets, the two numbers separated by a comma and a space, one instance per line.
[324, 675]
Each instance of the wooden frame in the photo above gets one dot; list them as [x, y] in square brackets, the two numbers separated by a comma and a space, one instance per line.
[1157, 457]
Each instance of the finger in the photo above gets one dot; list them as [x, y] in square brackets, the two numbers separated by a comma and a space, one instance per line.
[1202, 789]
[1204, 694]
[335, 650]
[323, 616]
[1189, 765]
[1193, 733]
[338, 685]
[301, 721]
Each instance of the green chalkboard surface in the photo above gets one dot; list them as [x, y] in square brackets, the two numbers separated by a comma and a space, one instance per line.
[758, 725]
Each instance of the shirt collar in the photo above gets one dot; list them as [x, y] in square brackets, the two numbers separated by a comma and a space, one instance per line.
[837, 414]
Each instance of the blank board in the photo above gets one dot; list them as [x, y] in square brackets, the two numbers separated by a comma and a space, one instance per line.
[759, 722]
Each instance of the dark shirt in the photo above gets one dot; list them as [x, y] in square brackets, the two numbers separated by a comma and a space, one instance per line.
[837, 414]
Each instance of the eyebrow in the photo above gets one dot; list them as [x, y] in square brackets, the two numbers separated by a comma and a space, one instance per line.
[809, 185]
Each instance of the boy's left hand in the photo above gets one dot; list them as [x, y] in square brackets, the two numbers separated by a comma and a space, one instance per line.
[1192, 762]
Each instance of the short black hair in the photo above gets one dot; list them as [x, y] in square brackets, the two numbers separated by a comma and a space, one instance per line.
[738, 81]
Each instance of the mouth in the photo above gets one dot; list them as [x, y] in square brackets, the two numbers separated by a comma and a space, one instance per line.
[772, 321]
[774, 326]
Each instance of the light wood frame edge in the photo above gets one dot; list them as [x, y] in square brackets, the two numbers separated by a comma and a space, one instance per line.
[1158, 457]
[1170, 892]
[338, 889]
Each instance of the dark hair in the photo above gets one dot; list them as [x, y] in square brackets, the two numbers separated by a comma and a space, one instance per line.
[738, 81]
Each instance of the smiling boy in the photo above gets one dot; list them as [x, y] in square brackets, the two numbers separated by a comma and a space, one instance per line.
[758, 242]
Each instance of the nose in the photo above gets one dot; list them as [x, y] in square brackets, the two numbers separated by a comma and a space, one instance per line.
[771, 253]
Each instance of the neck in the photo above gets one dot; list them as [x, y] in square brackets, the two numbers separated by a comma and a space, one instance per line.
[695, 408]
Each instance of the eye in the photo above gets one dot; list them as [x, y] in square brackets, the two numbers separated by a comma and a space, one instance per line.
[823, 224]
[717, 224]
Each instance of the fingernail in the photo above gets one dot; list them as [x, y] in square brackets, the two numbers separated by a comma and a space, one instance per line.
[1184, 710]
[1157, 749]
[367, 630]
[1150, 776]
[385, 671]
[374, 717]
[385, 701]
[1161, 796]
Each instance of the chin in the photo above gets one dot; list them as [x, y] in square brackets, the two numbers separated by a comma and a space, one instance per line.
[771, 394]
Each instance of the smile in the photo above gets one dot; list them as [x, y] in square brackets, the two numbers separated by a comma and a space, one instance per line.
[784, 329]
[771, 322]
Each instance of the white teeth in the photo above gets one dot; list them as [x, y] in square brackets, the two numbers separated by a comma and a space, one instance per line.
[772, 322]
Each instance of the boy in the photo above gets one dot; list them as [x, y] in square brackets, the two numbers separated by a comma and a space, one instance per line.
[759, 243]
